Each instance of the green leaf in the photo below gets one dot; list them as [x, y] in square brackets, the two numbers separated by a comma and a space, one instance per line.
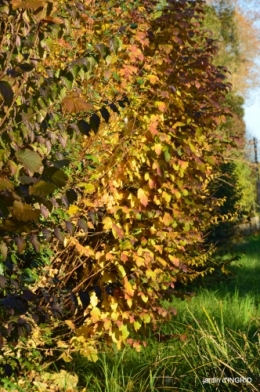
[3, 250]
[57, 176]
[84, 127]
[26, 67]
[42, 188]
[94, 122]
[91, 62]
[68, 83]
[6, 92]
[105, 114]
[115, 44]
[31, 160]
[74, 70]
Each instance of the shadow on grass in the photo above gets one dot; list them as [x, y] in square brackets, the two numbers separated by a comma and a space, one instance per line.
[244, 274]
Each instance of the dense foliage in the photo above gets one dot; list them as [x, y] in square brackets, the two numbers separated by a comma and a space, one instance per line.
[110, 136]
[236, 180]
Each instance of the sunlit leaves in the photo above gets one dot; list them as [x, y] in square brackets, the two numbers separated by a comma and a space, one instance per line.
[121, 204]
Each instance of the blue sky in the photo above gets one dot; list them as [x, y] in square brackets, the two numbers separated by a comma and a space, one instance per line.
[252, 114]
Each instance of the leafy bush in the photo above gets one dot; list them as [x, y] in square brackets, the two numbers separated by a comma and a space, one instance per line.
[109, 135]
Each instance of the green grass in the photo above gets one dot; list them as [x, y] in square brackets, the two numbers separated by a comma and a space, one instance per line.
[219, 336]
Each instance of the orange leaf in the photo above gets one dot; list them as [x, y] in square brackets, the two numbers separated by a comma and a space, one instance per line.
[161, 106]
[28, 4]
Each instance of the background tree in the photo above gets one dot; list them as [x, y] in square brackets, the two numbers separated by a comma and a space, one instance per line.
[234, 182]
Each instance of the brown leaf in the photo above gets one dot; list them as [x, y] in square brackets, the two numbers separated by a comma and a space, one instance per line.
[28, 4]
[74, 104]
[24, 212]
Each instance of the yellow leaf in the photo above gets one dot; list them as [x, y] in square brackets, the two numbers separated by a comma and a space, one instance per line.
[139, 261]
[129, 302]
[137, 325]
[179, 124]
[150, 273]
[95, 314]
[107, 324]
[73, 209]
[144, 298]
[157, 148]
[178, 195]
[128, 288]
[147, 318]
[70, 324]
[125, 332]
[121, 270]
[114, 316]
[167, 219]
[166, 196]
[153, 79]
[90, 352]
[107, 223]
[93, 299]
[113, 304]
